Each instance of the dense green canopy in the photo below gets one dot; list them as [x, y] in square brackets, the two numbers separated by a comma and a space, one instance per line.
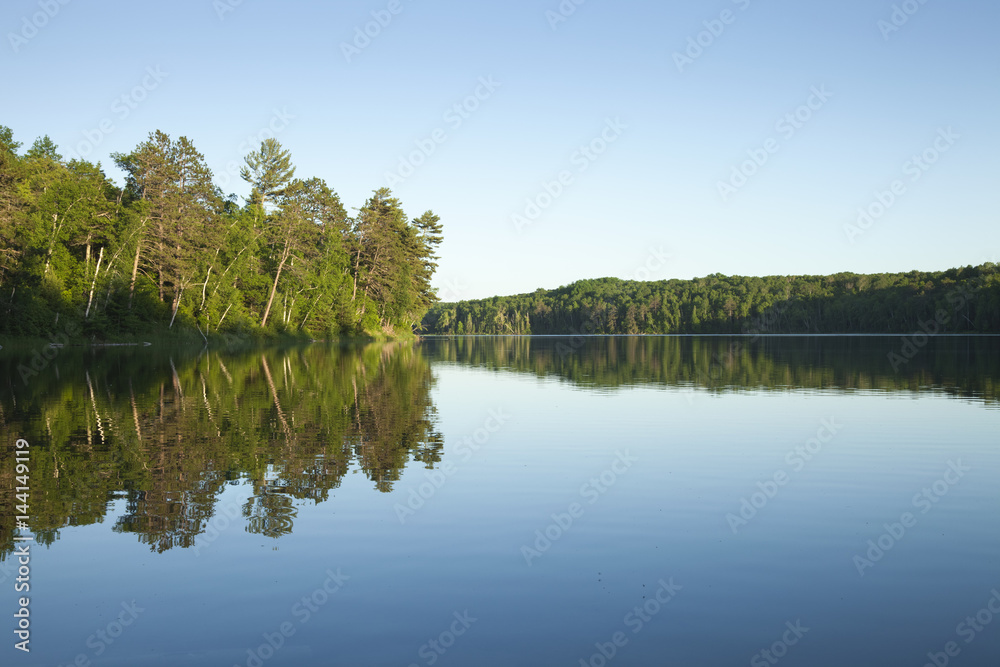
[170, 251]
[958, 300]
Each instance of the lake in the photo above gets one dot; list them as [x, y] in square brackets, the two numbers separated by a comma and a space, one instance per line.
[508, 501]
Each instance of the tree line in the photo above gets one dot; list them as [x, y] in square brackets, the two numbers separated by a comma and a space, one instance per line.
[168, 250]
[959, 300]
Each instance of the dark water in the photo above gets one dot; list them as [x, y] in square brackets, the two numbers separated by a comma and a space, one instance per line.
[509, 501]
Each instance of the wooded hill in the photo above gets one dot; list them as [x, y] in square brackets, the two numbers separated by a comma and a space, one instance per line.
[958, 300]
[169, 250]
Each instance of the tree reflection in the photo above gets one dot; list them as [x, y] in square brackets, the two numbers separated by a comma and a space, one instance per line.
[163, 435]
[158, 435]
[270, 512]
[962, 366]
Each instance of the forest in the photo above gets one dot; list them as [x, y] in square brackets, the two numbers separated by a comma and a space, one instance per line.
[169, 251]
[960, 300]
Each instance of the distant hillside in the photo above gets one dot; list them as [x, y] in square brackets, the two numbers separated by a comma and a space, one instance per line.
[961, 300]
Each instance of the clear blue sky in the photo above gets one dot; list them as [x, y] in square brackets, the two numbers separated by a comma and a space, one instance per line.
[678, 131]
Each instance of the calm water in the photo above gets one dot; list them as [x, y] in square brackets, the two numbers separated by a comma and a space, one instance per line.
[510, 501]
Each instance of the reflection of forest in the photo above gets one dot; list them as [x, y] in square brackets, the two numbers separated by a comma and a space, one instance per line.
[962, 366]
[166, 433]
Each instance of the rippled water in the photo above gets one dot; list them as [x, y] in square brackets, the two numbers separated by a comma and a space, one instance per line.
[495, 501]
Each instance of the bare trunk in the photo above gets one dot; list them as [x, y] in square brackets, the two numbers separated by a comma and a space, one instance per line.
[306, 318]
[90, 299]
[274, 287]
[309, 311]
[205, 286]
[373, 272]
[135, 271]
[357, 263]
[177, 304]
[223, 317]
[231, 264]
[52, 242]
[159, 260]
[135, 268]
[202, 332]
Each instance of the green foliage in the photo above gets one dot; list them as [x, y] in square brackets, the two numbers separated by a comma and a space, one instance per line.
[393, 262]
[166, 251]
[7, 143]
[961, 300]
[268, 171]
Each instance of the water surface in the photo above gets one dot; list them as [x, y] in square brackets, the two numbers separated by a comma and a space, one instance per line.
[493, 501]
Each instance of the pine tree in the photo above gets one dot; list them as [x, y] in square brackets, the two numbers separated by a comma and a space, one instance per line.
[182, 207]
[268, 171]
